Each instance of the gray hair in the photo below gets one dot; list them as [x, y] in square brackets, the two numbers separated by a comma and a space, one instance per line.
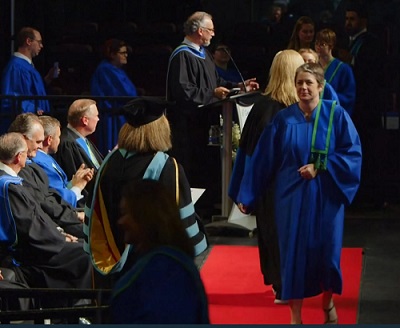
[194, 22]
[10, 145]
[26, 124]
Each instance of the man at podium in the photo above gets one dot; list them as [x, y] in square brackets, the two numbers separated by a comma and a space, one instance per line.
[192, 80]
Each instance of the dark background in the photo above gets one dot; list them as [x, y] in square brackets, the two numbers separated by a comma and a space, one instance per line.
[73, 30]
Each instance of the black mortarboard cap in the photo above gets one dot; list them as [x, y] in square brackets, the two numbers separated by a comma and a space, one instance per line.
[143, 110]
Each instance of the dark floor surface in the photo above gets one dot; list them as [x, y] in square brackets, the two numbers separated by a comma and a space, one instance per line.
[378, 233]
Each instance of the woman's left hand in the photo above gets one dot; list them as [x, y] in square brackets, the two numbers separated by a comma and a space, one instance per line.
[308, 171]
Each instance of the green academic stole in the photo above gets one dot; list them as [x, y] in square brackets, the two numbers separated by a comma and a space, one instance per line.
[321, 136]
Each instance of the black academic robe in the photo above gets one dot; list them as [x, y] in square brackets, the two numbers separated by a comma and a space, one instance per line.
[120, 170]
[261, 114]
[43, 254]
[62, 213]
[191, 82]
[70, 155]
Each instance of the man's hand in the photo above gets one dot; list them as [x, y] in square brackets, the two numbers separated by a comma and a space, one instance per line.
[251, 85]
[82, 177]
[81, 216]
[221, 92]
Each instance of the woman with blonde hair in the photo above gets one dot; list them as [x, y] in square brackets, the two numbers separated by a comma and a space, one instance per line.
[279, 93]
[309, 158]
[141, 154]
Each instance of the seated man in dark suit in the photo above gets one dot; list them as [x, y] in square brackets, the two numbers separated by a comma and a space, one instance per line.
[62, 213]
[75, 148]
[47, 256]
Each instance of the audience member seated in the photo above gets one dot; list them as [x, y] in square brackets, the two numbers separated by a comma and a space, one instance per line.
[75, 148]
[46, 255]
[303, 34]
[60, 211]
[164, 285]
[110, 79]
[142, 144]
[70, 191]
[223, 64]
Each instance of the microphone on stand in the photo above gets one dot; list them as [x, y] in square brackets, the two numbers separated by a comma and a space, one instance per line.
[237, 69]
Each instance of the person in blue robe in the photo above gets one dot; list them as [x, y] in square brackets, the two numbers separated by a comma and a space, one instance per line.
[163, 286]
[110, 79]
[70, 190]
[20, 77]
[337, 73]
[223, 64]
[311, 153]
[310, 56]
[279, 94]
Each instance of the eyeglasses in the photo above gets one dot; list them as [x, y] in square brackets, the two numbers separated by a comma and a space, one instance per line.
[321, 44]
[211, 30]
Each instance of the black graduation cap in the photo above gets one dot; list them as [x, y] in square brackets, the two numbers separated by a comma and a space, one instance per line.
[143, 110]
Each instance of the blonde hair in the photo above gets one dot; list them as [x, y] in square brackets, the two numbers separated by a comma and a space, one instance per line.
[309, 51]
[78, 109]
[152, 137]
[281, 76]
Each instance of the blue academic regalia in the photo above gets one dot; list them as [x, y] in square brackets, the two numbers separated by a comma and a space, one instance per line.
[57, 177]
[309, 213]
[20, 78]
[229, 74]
[109, 80]
[341, 78]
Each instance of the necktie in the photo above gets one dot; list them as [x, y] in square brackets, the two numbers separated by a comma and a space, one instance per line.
[92, 155]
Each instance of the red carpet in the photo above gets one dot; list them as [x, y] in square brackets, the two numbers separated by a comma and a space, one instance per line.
[237, 295]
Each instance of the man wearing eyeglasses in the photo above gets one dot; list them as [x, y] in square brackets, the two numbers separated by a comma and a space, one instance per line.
[192, 80]
[21, 78]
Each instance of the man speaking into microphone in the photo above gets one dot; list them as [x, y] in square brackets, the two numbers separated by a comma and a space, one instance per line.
[192, 80]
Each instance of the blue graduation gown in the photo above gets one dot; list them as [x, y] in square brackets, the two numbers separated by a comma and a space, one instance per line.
[22, 79]
[341, 78]
[109, 80]
[163, 287]
[57, 177]
[309, 213]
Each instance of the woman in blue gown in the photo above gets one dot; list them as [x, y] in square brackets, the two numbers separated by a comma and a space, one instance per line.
[337, 73]
[311, 152]
[110, 79]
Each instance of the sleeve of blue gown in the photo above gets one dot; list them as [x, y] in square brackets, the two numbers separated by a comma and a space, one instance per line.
[344, 164]
[16, 83]
[258, 170]
[347, 86]
[330, 93]
[237, 174]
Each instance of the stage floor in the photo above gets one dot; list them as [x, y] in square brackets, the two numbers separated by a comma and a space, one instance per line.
[378, 232]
